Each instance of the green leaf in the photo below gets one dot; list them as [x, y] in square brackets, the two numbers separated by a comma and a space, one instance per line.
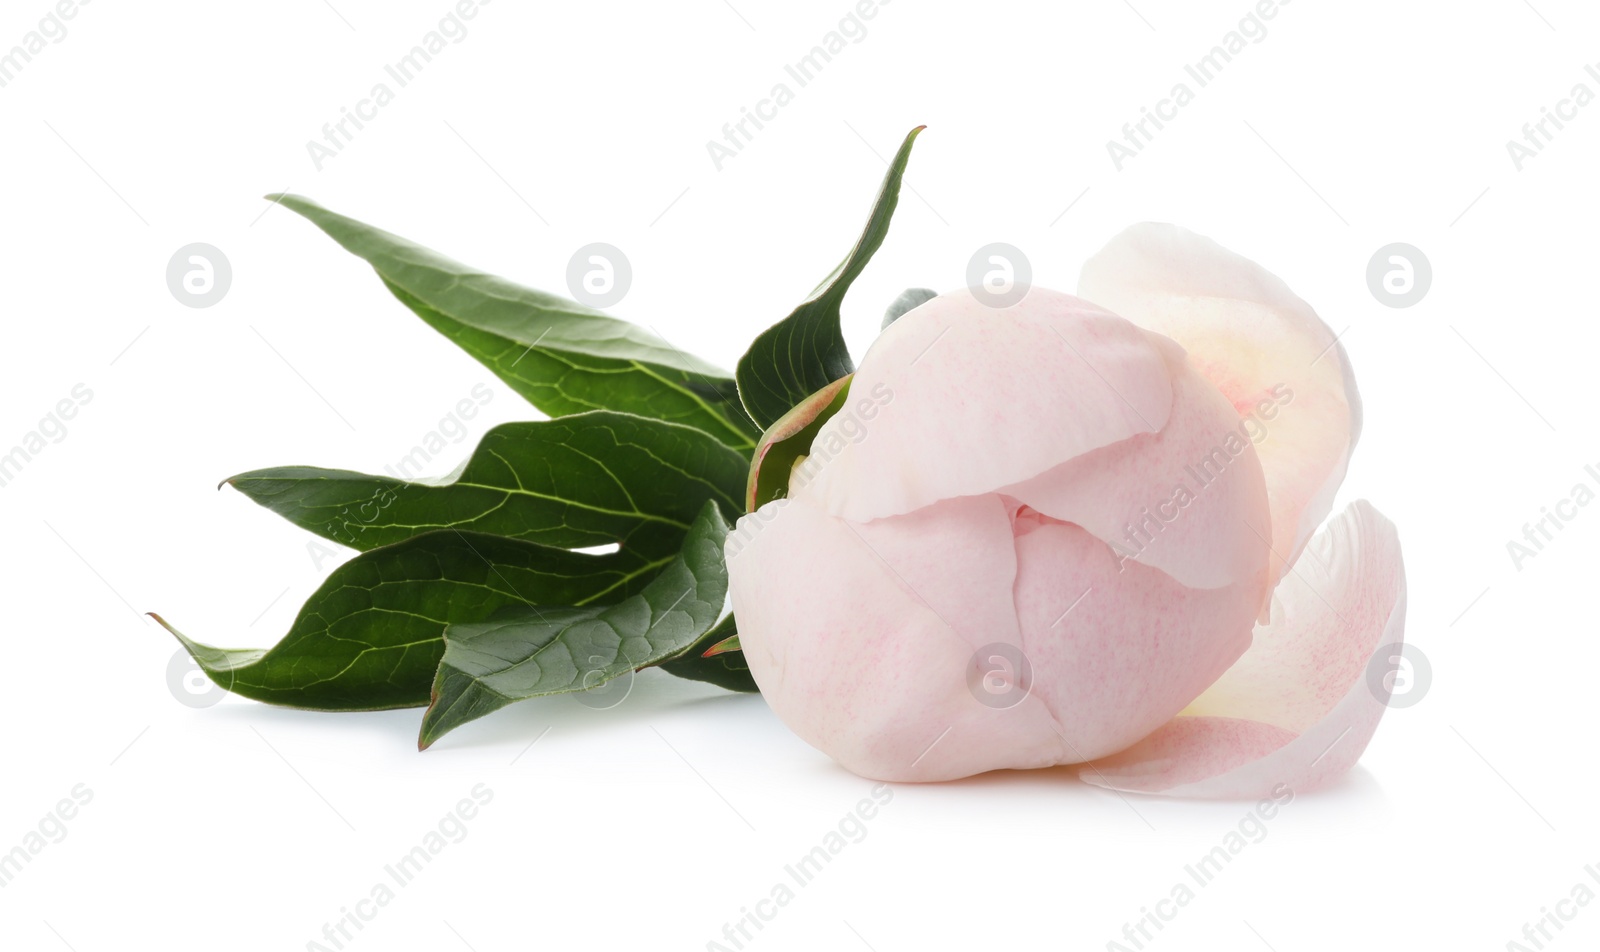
[562, 356]
[541, 651]
[371, 636]
[725, 669]
[806, 351]
[787, 441]
[584, 480]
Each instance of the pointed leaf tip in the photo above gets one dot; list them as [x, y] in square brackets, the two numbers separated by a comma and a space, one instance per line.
[370, 638]
[806, 351]
[723, 647]
[562, 356]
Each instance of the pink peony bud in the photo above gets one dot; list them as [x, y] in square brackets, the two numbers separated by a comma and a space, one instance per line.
[1048, 534]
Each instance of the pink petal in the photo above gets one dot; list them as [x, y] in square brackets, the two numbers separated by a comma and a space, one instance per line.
[861, 637]
[1118, 649]
[1263, 347]
[1296, 709]
[957, 398]
[1189, 500]
[956, 557]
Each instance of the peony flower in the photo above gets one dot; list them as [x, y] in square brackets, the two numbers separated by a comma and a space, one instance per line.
[1065, 532]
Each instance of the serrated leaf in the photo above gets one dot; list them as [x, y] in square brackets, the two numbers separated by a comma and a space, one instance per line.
[371, 636]
[541, 651]
[578, 481]
[806, 351]
[562, 356]
[716, 659]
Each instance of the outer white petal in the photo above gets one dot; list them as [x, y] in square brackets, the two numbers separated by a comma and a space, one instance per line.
[1297, 708]
[1261, 345]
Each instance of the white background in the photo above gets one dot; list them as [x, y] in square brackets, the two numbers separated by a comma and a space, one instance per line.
[1350, 126]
